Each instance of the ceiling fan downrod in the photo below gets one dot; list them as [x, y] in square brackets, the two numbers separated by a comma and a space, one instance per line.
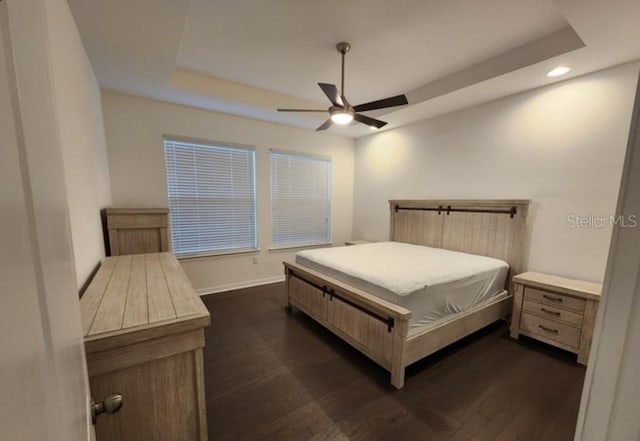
[342, 47]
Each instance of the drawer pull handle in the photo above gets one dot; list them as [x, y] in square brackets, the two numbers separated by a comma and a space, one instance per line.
[544, 328]
[553, 299]
[550, 312]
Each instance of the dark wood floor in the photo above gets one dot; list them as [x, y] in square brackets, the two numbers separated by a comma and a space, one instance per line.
[274, 375]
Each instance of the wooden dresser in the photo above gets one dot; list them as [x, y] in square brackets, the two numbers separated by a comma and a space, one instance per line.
[137, 230]
[555, 310]
[144, 326]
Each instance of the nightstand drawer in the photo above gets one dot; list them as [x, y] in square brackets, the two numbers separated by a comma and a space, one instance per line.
[566, 334]
[554, 299]
[553, 313]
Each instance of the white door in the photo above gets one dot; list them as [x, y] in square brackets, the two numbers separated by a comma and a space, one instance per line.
[611, 397]
[43, 377]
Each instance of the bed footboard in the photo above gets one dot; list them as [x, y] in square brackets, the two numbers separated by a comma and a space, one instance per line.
[375, 327]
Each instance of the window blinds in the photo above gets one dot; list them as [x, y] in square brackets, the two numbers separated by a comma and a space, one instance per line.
[212, 197]
[300, 199]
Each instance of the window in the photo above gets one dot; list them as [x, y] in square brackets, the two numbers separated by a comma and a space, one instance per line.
[300, 199]
[212, 197]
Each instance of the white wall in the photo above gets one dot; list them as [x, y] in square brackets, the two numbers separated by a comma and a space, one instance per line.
[134, 128]
[81, 129]
[561, 146]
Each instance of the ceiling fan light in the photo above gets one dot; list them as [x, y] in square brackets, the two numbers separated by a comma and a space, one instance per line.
[341, 118]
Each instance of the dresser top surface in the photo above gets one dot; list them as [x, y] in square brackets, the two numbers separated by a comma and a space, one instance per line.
[564, 285]
[136, 210]
[137, 293]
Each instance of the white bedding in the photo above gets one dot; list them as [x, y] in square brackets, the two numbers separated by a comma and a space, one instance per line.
[432, 283]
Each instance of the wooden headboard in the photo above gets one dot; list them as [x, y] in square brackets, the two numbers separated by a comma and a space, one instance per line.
[494, 228]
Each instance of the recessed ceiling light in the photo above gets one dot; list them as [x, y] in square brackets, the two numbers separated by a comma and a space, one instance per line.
[373, 128]
[558, 71]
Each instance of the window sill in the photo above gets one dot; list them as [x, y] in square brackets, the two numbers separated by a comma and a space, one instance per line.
[216, 254]
[298, 247]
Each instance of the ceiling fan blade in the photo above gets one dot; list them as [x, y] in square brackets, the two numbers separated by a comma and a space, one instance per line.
[301, 110]
[398, 100]
[328, 123]
[331, 91]
[369, 121]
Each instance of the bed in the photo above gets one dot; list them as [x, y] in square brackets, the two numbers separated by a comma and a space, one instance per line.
[443, 274]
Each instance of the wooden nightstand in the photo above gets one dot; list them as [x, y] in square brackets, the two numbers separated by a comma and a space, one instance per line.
[356, 242]
[555, 310]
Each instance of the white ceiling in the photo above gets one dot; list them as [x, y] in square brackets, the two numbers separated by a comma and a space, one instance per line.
[289, 45]
[249, 57]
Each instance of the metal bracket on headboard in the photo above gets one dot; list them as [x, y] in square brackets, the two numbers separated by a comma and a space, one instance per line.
[501, 234]
[449, 209]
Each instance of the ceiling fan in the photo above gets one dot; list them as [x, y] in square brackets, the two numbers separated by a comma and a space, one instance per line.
[342, 112]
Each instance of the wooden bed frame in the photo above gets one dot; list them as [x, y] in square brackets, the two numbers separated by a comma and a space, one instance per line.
[379, 329]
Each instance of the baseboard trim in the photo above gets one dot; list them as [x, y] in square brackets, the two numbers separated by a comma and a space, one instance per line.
[240, 285]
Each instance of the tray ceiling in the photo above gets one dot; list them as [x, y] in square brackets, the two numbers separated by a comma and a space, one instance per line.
[249, 57]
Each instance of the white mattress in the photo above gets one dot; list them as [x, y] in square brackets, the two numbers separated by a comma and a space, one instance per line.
[432, 283]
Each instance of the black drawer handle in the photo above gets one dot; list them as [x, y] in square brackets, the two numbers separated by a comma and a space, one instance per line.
[550, 312]
[544, 328]
[553, 299]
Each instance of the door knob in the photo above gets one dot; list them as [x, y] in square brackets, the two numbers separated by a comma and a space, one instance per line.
[110, 405]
